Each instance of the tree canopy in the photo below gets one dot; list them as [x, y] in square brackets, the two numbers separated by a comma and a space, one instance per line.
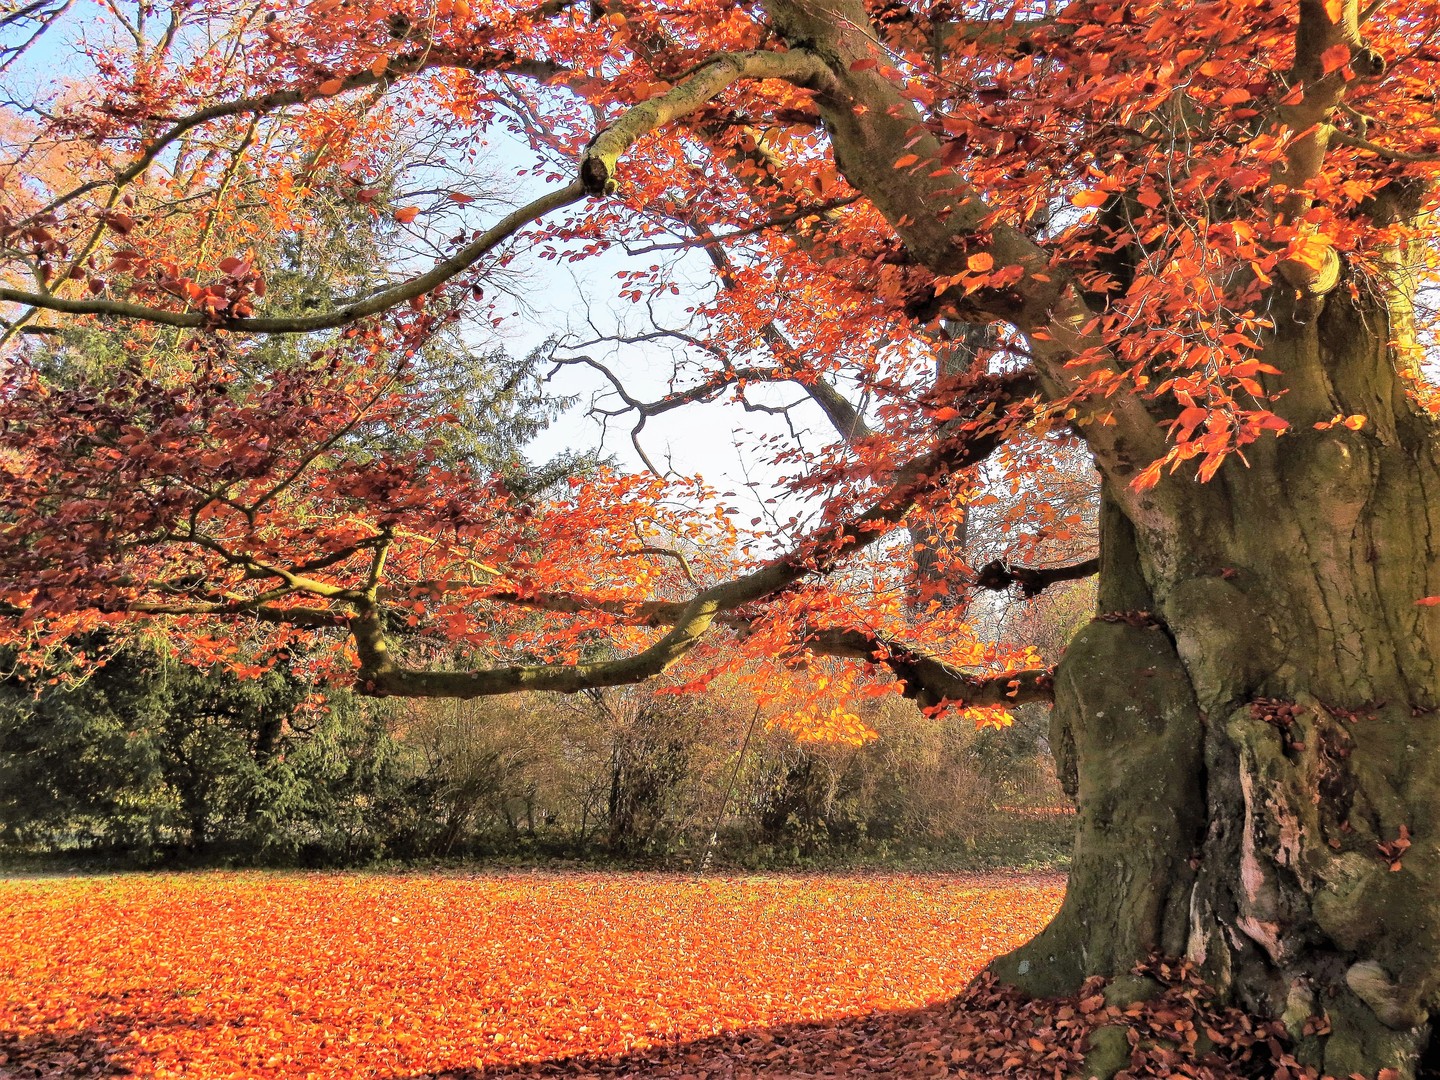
[1121, 185]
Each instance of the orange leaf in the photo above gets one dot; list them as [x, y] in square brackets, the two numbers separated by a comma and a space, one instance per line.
[406, 214]
[980, 262]
[331, 86]
[1311, 251]
[1149, 476]
[1090, 198]
[1334, 58]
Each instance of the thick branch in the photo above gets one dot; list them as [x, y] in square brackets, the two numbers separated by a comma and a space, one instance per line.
[598, 168]
[308, 617]
[943, 221]
[381, 676]
[931, 682]
[997, 576]
[1389, 154]
[1307, 117]
[312, 618]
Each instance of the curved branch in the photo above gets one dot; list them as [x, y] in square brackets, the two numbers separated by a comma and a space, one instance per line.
[1346, 139]
[847, 420]
[976, 439]
[943, 220]
[599, 166]
[933, 683]
[844, 416]
[347, 312]
[382, 677]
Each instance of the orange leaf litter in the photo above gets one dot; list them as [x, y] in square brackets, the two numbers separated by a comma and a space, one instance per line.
[335, 975]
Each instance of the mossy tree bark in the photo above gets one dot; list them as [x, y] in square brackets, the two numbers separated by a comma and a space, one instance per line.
[1249, 724]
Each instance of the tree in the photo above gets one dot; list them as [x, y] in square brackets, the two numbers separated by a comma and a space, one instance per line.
[1203, 235]
[136, 753]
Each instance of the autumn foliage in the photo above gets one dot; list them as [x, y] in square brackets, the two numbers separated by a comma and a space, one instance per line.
[1141, 174]
[582, 975]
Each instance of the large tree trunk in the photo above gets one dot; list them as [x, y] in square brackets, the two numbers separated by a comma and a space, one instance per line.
[1249, 724]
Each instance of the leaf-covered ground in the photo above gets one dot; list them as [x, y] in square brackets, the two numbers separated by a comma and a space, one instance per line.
[328, 975]
[575, 975]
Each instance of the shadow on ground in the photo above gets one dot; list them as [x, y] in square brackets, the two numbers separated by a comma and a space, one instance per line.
[985, 1032]
[99, 1050]
[78, 1053]
[988, 1031]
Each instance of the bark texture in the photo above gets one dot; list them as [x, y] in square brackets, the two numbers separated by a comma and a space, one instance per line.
[1248, 725]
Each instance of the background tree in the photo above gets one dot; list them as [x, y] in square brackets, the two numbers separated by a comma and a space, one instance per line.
[1204, 235]
[138, 755]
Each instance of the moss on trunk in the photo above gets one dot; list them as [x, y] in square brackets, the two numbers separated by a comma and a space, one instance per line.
[1255, 773]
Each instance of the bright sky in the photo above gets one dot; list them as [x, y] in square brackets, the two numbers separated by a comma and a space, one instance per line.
[714, 440]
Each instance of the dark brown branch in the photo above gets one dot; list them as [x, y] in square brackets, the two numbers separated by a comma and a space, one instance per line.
[1346, 139]
[932, 683]
[927, 680]
[308, 617]
[997, 576]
